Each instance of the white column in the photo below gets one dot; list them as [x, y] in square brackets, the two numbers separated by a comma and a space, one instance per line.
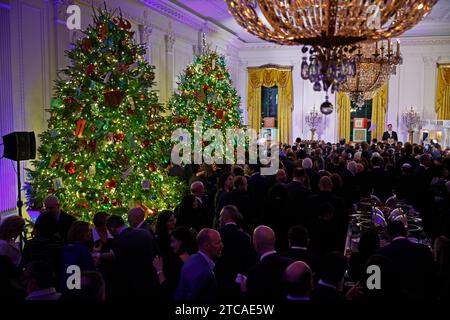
[429, 89]
[170, 63]
[7, 175]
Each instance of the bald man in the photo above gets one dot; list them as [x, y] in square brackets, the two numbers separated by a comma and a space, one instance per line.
[238, 254]
[299, 281]
[197, 279]
[265, 279]
[136, 219]
[53, 206]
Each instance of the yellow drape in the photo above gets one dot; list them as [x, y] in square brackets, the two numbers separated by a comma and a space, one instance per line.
[270, 77]
[344, 104]
[379, 107]
[443, 92]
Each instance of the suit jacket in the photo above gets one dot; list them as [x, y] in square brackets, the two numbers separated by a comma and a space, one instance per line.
[297, 199]
[265, 279]
[413, 265]
[64, 223]
[381, 183]
[387, 136]
[258, 186]
[242, 201]
[135, 250]
[302, 255]
[197, 281]
[326, 294]
[237, 256]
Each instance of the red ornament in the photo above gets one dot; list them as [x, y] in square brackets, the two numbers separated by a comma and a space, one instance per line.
[95, 98]
[209, 108]
[90, 69]
[70, 167]
[103, 32]
[113, 98]
[122, 68]
[69, 100]
[83, 205]
[51, 190]
[92, 129]
[81, 177]
[152, 167]
[92, 144]
[130, 111]
[111, 184]
[145, 143]
[116, 202]
[118, 137]
[86, 45]
[105, 199]
[205, 87]
[219, 114]
[218, 76]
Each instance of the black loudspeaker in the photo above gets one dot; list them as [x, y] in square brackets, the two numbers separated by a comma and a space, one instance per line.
[19, 146]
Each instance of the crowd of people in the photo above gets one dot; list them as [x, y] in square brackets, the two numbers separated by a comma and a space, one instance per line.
[241, 236]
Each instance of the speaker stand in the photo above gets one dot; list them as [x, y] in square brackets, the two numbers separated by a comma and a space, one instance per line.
[19, 201]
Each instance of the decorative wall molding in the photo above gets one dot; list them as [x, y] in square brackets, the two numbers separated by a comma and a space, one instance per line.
[425, 41]
[173, 12]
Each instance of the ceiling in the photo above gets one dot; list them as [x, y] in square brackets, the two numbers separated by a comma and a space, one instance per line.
[437, 23]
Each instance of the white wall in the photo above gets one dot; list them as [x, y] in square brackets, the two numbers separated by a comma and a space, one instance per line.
[416, 80]
[34, 38]
[414, 85]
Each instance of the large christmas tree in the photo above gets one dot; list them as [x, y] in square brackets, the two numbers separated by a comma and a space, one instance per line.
[107, 144]
[205, 92]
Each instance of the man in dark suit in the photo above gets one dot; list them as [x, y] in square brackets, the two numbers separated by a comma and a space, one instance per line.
[298, 246]
[136, 219]
[297, 196]
[389, 134]
[134, 251]
[325, 195]
[313, 176]
[380, 181]
[53, 206]
[197, 280]
[413, 262]
[239, 197]
[299, 282]
[258, 186]
[331, 272]
[265, 279]
[238, 253]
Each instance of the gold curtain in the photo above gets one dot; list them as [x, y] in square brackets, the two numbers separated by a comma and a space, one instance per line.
[379, 107]
[344, 104]
[269, 77]
[443, 92]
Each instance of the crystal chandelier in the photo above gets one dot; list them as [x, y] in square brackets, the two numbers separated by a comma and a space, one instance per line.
[331, 27]
[375, 62]
[327, 23]
[313, 119]
[410, 119]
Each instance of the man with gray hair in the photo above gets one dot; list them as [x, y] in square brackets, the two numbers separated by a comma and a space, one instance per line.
[313, 176]
[53, 207]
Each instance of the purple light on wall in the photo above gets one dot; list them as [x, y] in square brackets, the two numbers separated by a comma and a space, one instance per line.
[8, 180]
